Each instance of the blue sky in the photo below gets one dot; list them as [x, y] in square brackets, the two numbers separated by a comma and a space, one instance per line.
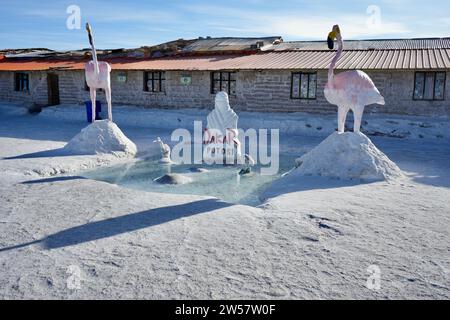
[132, 23]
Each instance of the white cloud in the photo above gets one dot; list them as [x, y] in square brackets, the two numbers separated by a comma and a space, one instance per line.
[299, 26]
[318, 27]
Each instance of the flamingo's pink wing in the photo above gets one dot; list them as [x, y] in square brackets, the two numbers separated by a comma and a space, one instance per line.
[104, 66]
[89, 67]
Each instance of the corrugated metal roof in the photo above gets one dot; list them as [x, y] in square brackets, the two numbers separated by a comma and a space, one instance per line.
[389, 44]
[229, 44]
[30, 53]
[314, 60]
[38, 65]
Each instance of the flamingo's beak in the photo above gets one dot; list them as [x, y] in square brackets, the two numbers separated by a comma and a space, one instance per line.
[330, 40]
[89, 31]
[88, 28]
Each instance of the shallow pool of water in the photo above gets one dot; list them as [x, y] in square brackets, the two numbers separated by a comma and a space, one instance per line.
[223, 182]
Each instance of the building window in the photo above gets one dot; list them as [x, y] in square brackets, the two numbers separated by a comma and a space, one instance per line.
[223, 81]
[22, 82]
[303, 85]
[429, 86]
[154, 81]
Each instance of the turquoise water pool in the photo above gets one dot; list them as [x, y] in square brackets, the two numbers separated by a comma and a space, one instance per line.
[223, 182]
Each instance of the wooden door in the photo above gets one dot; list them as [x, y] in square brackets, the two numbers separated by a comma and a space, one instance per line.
[53, 89]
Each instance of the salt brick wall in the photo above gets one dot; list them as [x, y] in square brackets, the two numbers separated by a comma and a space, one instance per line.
[37, 93]
[176, 95]
[267, 90]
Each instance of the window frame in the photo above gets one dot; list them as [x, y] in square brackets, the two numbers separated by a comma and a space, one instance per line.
[161, 78]
[19, 82]
[221, 80]
[435, 73]
[300, 73]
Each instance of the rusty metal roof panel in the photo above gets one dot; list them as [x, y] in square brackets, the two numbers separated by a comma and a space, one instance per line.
[40, 65]
[379, 59]
[313, 60]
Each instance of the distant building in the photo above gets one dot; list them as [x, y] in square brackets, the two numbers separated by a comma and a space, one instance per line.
[260, 74]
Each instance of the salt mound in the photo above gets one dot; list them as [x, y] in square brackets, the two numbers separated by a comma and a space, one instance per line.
[198, 170]
[348, 155]
[101, 137]
[173, 178]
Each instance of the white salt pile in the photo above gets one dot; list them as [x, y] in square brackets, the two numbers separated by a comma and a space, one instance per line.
[347, 156]
[101, 137]
[173, 178]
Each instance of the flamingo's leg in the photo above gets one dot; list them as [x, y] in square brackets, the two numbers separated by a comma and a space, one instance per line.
[342, 115]
[357, 115]
[108, 100]
[93, 94]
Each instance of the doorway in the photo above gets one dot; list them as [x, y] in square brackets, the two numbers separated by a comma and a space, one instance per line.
[53, 89]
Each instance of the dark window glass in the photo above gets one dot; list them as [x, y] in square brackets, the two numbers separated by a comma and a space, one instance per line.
[419, 85]
[295, 92]
[439, 87]
[428, 93]
[223, 81]
[154, 81]
[429, 86]
[312, 85]
[233, 88]
[303, 85]
[22, 82]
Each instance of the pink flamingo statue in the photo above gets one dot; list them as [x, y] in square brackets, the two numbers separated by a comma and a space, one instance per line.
[349, 90]
[98, 77]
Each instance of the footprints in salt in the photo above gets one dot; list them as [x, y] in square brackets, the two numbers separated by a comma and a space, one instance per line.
[325, 225]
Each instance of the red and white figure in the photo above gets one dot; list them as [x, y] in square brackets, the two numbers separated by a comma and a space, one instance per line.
[98, 76]
[350, 89]
[221, 133]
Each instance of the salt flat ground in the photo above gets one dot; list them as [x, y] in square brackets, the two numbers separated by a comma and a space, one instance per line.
[63, 236]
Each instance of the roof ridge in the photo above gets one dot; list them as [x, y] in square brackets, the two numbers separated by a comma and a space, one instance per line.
[363, 40]
[215, 38]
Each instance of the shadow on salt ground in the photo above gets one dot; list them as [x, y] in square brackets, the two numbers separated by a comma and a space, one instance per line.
[127, 223]
[60, 152]
[53, 179]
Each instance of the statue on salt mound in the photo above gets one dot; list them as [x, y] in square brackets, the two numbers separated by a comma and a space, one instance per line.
[165, 151]
[348, 155]
[221, 134]
[102, 136]
[222, 145]
[98, 76]
[350, 89]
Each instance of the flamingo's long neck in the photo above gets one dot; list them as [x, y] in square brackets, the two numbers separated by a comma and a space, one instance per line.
[94, 54]
[335, 59]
